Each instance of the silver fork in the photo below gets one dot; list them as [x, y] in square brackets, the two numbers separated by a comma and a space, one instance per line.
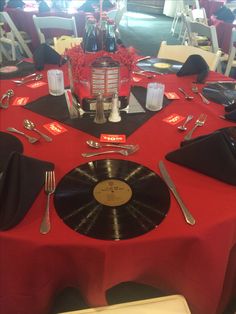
[199, 122]
[125, 152]
[50, 186]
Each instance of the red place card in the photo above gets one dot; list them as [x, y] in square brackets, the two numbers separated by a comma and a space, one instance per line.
[171, 95]
[113, 138]
[174, 118]
[20, 101]
[55, 128]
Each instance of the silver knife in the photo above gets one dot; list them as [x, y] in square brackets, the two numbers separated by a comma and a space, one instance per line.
[221, 82]
[188, 217]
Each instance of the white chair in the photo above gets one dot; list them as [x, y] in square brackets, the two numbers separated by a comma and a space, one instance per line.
[198, 15]
[174, 304]
[53, 22]
[196, 30]
[181, 53]
[14, 38]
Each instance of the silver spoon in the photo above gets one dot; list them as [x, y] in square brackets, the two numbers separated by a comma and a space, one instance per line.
[183, 127]
[196, 91]
[125, 152]
[99, 145]
[185, 94]
[29, 125]
[32, 140]
[36, 78]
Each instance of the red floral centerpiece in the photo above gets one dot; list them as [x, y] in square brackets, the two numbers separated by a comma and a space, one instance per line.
[100, 72]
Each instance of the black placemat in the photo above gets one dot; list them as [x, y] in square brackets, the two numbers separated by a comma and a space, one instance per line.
[14, 69]
[56, 109]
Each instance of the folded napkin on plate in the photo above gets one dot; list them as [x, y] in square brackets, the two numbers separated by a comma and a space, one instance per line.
[20, 183]
[44, 54]
[195, 64]
[213, 155]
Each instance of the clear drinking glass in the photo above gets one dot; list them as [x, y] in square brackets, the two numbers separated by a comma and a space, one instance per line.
[55, 82]
[155, 94]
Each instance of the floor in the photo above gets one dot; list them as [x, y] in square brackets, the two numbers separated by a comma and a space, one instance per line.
[135, 31]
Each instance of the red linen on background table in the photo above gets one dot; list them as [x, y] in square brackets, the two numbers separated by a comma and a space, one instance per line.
[224, 32]
[211, 6]
[196, 261]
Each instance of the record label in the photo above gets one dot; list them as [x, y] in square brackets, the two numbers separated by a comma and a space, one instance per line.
[112, 192]
[8, 69]
[112, 199]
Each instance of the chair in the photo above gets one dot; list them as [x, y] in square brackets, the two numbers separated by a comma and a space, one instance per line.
[196, 30]
[53, 22]
[13, 37]
[181, 53]
[174, 304]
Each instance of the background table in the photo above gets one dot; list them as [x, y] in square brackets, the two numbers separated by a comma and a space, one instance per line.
[196, 261]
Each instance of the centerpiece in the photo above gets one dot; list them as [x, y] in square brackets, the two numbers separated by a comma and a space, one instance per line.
[100, 66]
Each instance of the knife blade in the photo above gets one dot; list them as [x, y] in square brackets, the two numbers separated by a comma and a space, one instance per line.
[187, 215]
[221, 82]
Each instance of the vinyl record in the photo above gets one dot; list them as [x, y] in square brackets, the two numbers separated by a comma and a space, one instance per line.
[163, 66]
[15, 69]
[112, 199]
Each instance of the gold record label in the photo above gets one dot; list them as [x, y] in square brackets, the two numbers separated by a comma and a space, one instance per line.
[112, 192]
[161, 65]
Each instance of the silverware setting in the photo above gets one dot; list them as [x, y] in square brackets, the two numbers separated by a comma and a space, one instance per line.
[29, 125]
[4, 101]
[183, 127]
[186, 96]
[34, 77]
[49, 189]
[124, 152]
[196, 91]
[199, 122]
[30, 139]
[187, 215]
[99, 145]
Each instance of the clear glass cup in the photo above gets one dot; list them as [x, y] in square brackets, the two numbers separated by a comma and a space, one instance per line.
[155, 94]
[55, 82]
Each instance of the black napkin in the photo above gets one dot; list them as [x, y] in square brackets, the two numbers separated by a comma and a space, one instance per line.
[195, 64]
[213, 155]
[8, 144]
[44, 54]
[13, 69]
[20, 183]
[231, 116]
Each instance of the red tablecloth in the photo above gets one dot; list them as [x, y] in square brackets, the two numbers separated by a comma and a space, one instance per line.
[196, 261]
[224, 33]
[24, 22]
[211, 6]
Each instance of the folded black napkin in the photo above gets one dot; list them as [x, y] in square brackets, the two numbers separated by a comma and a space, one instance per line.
[8, 144]
[231, 116]
[213, 155]
[195, 64]
[13, 69]
[45, 54]
[20, 183]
